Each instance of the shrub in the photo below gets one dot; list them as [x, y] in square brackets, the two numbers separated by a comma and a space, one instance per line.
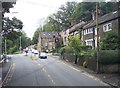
[13, 49]
[111, 41]
[109, 57]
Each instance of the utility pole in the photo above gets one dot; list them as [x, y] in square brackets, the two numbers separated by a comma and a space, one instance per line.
[97, 37]
[20, 44]
[5, 46]
[0, 27]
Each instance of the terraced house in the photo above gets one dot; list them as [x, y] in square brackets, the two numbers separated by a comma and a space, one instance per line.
[106, 23]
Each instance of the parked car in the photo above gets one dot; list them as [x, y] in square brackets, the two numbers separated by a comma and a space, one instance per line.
[43, 55]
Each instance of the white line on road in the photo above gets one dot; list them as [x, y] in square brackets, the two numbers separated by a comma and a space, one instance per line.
[39, 64]
[70, 66]
[53, 82]
[43, 69]
[49, 76]
[90, 76]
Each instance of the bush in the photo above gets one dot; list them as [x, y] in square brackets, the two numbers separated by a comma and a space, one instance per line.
[66, 49]
[13, 49]
[111, 41]
[86, 48]
[109, 57]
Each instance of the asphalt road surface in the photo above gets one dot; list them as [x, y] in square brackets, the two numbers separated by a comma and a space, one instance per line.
[47, 72]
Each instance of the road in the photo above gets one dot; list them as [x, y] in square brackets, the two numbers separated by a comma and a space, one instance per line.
[47, 72]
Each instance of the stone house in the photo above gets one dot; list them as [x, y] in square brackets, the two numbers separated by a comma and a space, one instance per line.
[47, 40]
[106, 23]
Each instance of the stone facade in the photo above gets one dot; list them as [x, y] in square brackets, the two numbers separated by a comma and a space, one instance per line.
[47, 40]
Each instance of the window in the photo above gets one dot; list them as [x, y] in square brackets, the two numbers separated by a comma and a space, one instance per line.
[104, 28]
[107, 27]
[89, 42]
[88, 31]
[84, 32]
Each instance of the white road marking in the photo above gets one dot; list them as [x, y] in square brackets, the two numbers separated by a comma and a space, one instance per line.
[53, 82]
[90, 76]
[35, 61]
[70, 66]
[43, 69]
[39, 64]
[49, 76]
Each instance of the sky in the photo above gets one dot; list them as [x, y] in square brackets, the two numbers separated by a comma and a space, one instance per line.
[33, 12]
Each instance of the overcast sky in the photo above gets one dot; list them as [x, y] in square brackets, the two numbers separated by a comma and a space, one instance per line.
[31, 12]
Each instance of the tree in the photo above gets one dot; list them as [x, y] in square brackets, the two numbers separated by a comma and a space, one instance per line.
[10, 25]
[7, 6]
[62, 19]
[111, 41]
[75, 44]
[13, 41]
[83, 10]
[36, 36]
[25, 41]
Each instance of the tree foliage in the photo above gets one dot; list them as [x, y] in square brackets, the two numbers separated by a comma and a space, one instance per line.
[75, 44]
[111, 41]
[7, 6]
[10, 24]
[13, 41]
[36, 36]
[74, 12]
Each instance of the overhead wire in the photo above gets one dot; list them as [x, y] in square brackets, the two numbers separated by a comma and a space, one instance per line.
[33, 3]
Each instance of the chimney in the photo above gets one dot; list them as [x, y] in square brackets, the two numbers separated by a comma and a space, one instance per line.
[93, 15]
[73, 22]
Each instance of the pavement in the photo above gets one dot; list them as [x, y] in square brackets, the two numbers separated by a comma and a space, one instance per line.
[112, 79]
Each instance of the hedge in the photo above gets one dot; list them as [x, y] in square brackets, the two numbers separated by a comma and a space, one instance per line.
[109, 57]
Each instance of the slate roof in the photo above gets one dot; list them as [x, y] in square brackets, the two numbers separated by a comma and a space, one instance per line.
[76, 27]
[48, 34]
[105, 18]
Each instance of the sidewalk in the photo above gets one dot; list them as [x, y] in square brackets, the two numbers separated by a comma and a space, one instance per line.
[111, 79]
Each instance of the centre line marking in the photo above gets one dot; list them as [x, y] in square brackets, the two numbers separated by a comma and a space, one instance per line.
[49, 76]
[45, 71]
[39, 64]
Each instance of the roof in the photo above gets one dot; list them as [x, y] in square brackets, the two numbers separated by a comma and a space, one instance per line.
[76, 27]
[105, 18]
[48, 34]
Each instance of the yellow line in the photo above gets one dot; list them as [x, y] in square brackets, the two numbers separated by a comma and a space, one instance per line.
[7, 74]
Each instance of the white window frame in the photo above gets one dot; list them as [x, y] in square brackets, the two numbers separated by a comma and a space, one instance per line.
[89, 42]
[110, 25]
[88, 31]
[107, 27]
